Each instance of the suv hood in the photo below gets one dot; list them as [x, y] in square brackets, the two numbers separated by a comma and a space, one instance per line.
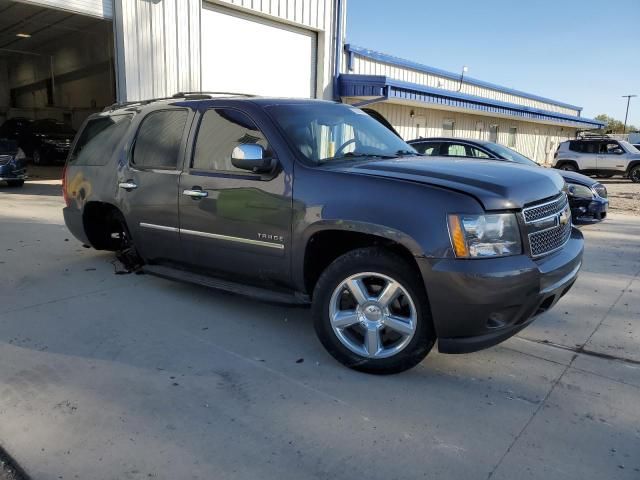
[496, 185]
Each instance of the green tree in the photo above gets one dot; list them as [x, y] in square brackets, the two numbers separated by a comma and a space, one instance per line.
[614, 126]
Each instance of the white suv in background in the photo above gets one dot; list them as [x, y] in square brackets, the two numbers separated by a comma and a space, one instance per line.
[604, 157]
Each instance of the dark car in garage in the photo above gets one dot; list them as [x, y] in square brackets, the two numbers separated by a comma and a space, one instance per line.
[13, 164]
[587, 197]
[47, 141]
[14, 128]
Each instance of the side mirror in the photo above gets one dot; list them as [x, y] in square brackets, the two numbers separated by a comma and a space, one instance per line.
[618, 151]
[251, 156]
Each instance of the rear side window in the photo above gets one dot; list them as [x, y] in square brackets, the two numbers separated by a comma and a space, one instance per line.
[99, 139]
[221, 130]
[158, 142]
[576, 146]
[426, 148]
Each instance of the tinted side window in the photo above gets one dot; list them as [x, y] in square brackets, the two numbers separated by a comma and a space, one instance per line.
[454, 150]
[158, 141]
[590, 147]
[474, 152]
[426, 148]
[99, 139]
[576, 146]
[221, 130]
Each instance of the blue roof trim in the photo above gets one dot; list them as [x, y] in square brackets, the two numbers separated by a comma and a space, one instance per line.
[400, 62]
[353, 85]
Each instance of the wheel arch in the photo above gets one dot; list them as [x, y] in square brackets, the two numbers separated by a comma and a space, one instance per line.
[98, 220]
[325, 241]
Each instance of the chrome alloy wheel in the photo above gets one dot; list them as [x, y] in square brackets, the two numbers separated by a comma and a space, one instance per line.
[373, 315]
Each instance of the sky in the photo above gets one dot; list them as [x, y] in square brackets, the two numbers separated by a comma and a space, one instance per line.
[584, 53]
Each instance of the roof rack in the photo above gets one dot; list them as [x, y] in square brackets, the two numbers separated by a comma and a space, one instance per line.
[185, 95]
[210, 94]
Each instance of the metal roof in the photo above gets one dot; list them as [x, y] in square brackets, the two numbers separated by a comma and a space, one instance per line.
[400, 62]
[372, 86]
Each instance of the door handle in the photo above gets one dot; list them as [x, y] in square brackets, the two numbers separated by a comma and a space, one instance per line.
[128, 185]
[195, 193]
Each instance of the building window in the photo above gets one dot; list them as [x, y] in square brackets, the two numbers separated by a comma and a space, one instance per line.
[512, 136]
[493, 133]
[448, 127]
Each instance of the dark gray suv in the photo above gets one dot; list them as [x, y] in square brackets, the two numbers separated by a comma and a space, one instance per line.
[316, 203]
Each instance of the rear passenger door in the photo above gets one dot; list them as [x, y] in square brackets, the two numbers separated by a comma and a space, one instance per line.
[148, 184]
[239, 224]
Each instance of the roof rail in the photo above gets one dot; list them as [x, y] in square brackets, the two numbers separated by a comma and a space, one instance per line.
[204, 93]
[186, 95]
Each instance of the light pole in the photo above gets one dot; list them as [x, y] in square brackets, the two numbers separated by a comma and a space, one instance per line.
[465, 69]
[628, 97]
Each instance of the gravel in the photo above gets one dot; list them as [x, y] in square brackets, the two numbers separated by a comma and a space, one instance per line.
[624, 195]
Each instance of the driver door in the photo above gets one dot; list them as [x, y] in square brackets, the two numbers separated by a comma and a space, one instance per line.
[610, 157]
[233, 222]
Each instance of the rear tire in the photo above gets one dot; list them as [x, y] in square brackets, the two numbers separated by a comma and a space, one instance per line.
[370, 331]
[634, 174]
[15, 183]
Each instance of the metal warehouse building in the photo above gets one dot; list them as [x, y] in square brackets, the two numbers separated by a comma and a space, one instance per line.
[65, 59]
[421, 101]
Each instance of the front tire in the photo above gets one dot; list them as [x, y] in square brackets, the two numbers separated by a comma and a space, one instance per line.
[634, 174]
[568, 167]
[371, 312]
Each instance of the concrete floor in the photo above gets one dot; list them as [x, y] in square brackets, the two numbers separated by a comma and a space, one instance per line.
[107, 376]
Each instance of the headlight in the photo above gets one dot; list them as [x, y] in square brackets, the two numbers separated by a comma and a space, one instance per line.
[579, 191]
[4, 160]
[491, 235]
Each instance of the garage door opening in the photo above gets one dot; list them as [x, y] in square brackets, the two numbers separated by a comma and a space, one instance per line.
[282, 63]
[56, 68]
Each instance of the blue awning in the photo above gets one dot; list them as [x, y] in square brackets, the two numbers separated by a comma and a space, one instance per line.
[387, 89]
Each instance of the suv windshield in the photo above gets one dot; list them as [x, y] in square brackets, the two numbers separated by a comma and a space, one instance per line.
[512, 155]
[332, 132]
[628, 147]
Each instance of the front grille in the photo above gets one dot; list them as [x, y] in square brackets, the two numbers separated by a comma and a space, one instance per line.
[546, 241]
[601, 190]
[538, 212]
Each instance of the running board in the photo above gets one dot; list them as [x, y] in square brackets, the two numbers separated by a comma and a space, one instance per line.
[258, 293]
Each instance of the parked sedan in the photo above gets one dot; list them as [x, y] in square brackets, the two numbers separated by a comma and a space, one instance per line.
[13, 163]
[587, 197]
[47, 141]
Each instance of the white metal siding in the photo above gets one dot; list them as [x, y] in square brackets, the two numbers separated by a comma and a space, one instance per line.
[94, 8]
[249, 54]
[316, 15]
[157, 47]
[310, 13]
[536, 141]
[368, 66]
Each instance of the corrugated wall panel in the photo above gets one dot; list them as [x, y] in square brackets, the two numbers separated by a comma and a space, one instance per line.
[368, 66]
[157, 47]
[94, 8]
[309, 13]
[536, 141]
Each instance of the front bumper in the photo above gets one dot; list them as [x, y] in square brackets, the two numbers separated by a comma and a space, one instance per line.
[12, 172]
[476, 304]
[589, 210]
